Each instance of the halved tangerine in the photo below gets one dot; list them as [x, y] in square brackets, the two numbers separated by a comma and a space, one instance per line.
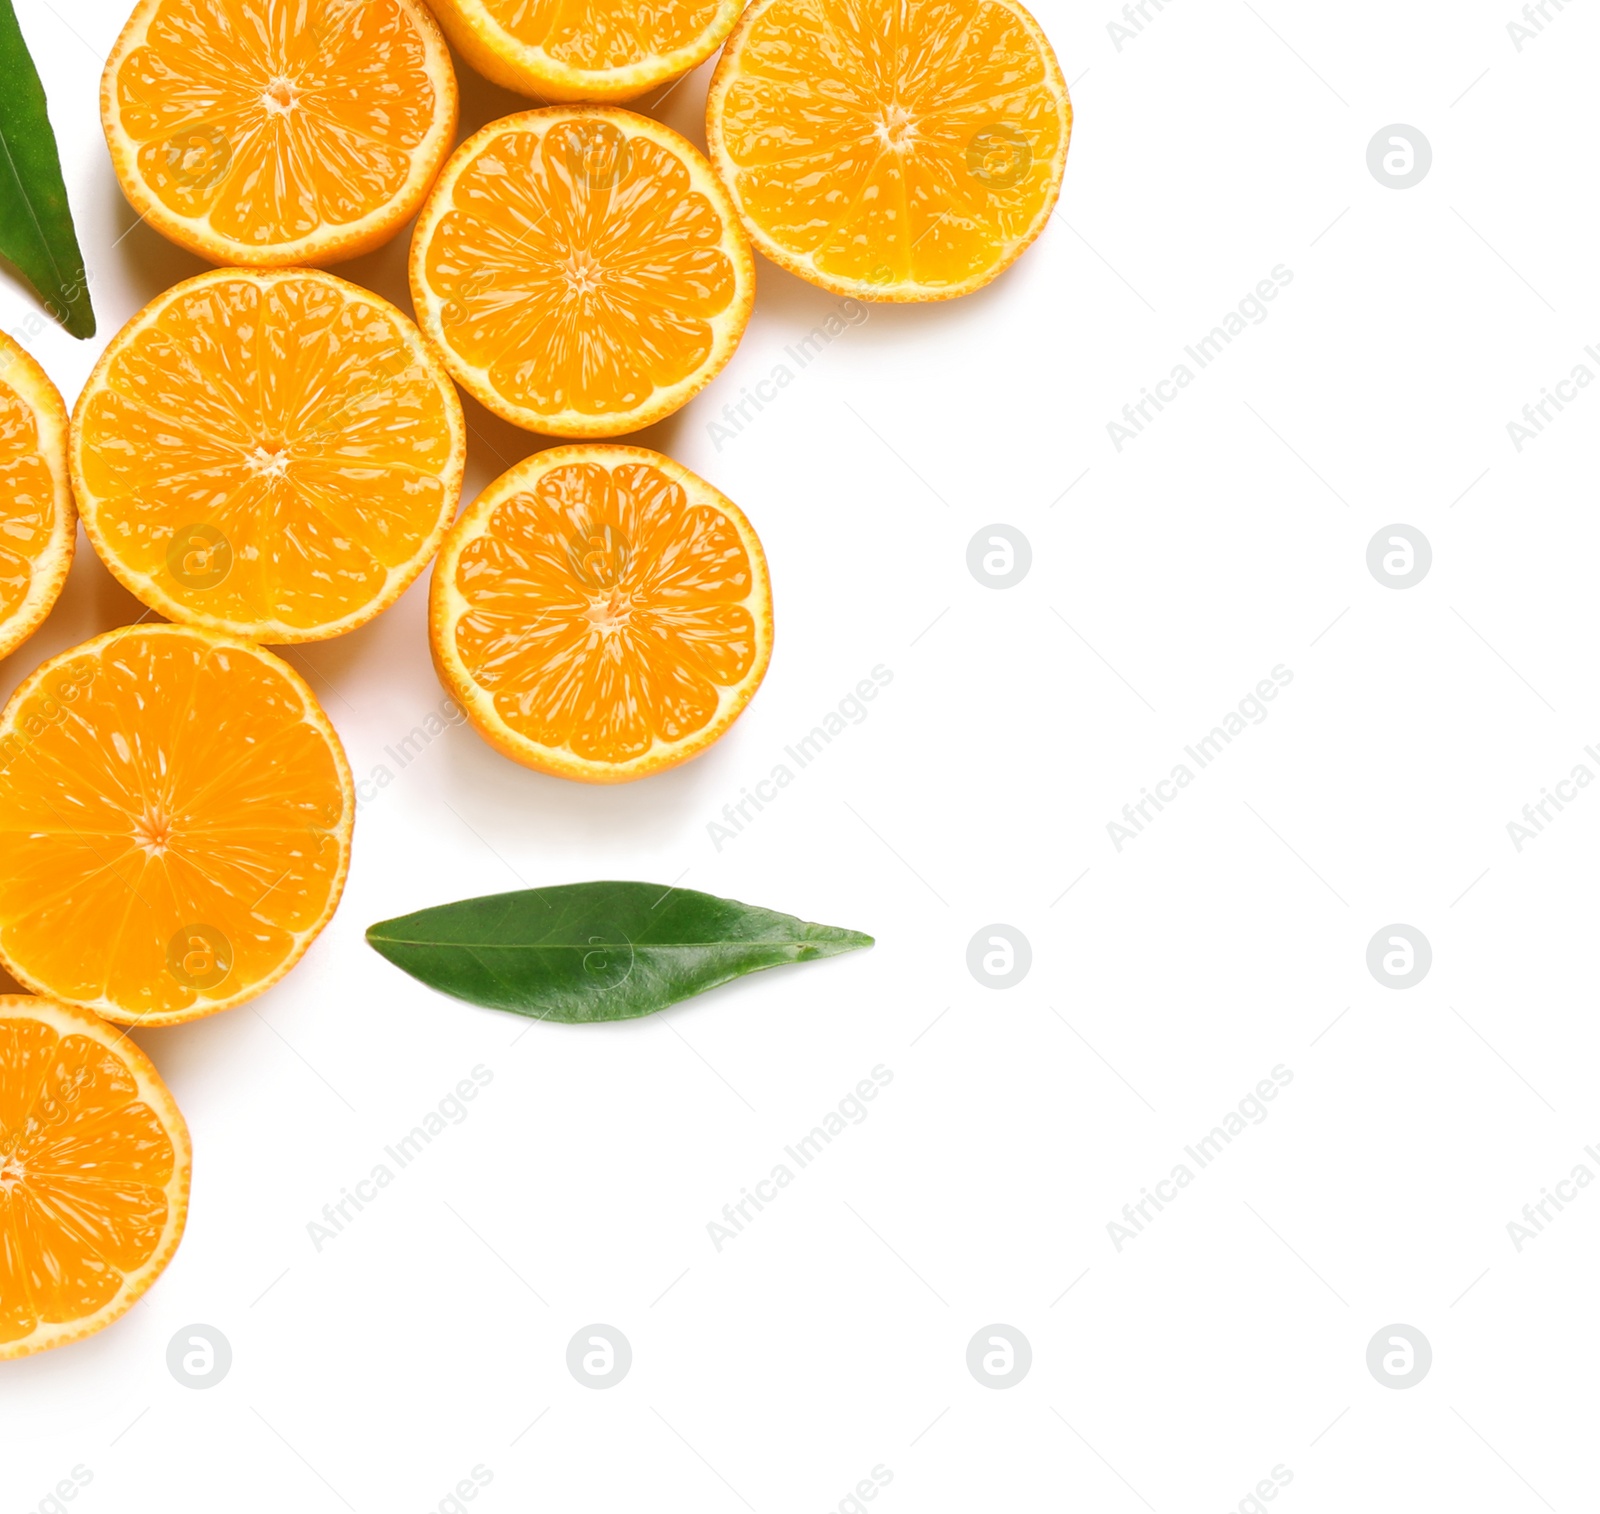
[891, 152]
[272, 454]
[581, 271]
[94, 1175]
[38, 525]
[601, 613]
[270, 132]
[175, 818]
[596, 50]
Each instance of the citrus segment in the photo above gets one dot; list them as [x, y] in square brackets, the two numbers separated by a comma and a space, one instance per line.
[94, 1175]
[274, 454]
[589, 50]
[175, 818]
[581, 272]
[38, 525]
[270, 132]
[601, 613]
[908, 152]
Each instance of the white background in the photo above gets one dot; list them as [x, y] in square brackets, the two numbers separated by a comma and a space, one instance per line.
[1168, 977]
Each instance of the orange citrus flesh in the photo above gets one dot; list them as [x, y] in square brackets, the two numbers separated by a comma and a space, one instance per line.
[272, 454]
[38, 525]
[271, 132]
[601, 613]
[581, 271]
[585, 49]
[908, 151]
[94, 1175]
[175, 818]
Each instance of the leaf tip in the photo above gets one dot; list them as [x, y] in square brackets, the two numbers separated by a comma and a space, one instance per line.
[842, 940]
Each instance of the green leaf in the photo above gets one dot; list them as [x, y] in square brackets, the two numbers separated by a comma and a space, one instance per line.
[597, 951]
[36, 232]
